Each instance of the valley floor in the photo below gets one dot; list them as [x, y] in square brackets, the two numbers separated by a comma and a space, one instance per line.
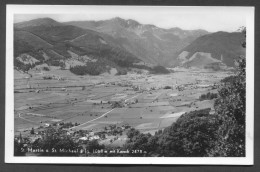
[148, 104]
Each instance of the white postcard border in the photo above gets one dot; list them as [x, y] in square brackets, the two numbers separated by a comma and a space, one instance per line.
[9, 114]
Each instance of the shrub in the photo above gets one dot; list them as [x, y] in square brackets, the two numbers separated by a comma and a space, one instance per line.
[121, 72]
[208, 96]
[159, 70]
[167, 87]
[46, 68]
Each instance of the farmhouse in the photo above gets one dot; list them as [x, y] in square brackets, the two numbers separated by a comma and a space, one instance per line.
[95, 137]
[83, 138]
[46, 125]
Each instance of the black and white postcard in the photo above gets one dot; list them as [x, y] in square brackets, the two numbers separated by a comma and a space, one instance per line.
[129, 84]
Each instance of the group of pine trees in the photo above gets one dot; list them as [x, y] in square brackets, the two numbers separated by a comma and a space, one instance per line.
[86, 69]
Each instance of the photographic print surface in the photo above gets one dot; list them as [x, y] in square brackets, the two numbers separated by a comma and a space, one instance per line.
[129, 84]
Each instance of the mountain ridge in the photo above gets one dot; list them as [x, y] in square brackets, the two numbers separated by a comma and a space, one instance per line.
[66, 39]
[148, 42]
[221, 45]
[38, 22]
[120, 39]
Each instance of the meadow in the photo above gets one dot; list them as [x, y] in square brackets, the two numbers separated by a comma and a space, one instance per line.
[86, 100]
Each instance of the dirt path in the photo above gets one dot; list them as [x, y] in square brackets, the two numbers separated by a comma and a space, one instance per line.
[78, 37]
[132, 97]
[26, 119]
[92, 119]
[101, 115]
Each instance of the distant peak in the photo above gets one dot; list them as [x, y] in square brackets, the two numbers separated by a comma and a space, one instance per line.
[133, 22]
[45, 20]
[222, 32]
[38, 22]
[125, 22]
[118, 19]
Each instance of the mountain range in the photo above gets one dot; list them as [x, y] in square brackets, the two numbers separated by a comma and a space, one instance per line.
[120, 42]
[150, 43]
[48, 40]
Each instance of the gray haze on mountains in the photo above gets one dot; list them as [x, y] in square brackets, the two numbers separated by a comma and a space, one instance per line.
[151, 44]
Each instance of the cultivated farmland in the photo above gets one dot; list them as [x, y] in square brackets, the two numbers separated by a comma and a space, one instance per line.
[148, 102]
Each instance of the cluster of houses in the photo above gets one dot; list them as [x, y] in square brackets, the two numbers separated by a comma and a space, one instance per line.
[79, 136]
[49, 77]
[90, 136]
[84, 135]
[196, 86]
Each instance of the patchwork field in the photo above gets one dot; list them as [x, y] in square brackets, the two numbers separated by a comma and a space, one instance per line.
[87, 100]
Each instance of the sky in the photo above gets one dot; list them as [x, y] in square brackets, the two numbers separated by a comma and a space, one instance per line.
[212, 19]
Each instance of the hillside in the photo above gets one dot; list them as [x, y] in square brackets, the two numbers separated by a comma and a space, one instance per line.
[221, 46]
[121, 43]
[51, 41]
[148, 42]
[26, 42]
